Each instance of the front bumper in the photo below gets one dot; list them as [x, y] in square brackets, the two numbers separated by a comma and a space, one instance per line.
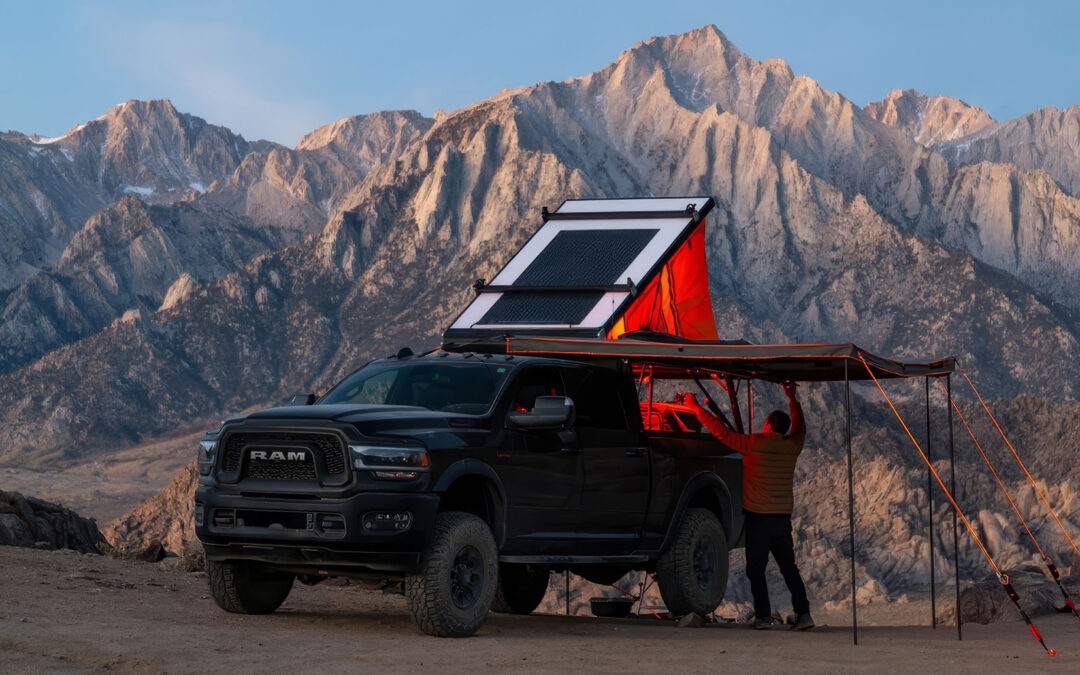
[316, 535]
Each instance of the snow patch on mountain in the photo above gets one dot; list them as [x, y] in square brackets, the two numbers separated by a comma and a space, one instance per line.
[138, 190]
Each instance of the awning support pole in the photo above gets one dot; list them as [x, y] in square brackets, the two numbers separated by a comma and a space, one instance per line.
[650, 393]
[952, 489]
[930, 513]
[733, 400]
[851, 505]
[750, 404]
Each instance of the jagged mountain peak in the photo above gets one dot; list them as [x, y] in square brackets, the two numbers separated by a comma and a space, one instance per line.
[698, 66]
[362, 141]
[708, 42]
[347, 129]
[142, 109]
[145, 148]
[134, 117]
[1046, 139]
[928, 119]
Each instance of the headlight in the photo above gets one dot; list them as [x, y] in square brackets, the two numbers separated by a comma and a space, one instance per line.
[207, 457]
[387, 463]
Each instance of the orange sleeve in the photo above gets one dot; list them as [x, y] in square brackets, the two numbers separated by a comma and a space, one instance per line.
[740, 443]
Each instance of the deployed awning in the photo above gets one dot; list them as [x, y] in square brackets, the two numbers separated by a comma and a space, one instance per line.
[804, 363]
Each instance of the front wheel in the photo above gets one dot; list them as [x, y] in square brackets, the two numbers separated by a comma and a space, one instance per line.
[692, 573]
[453, 591]
[246, 587]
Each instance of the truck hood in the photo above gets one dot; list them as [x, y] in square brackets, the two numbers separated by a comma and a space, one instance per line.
[365, 416]
[342, 412]
[436, 429]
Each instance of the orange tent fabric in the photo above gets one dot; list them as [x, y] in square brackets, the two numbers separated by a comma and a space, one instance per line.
[676, 301]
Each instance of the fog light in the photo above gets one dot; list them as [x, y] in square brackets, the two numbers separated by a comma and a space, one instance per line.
[225, 518]
[331, 524]
[199, 517]
[387, 521]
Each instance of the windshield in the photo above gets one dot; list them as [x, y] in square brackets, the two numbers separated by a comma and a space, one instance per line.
[449, 387]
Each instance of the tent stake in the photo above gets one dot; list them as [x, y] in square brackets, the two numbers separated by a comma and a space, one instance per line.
[930, 512]
[952, 488]
[851, 506]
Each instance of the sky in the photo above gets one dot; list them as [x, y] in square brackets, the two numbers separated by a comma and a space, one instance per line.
[277, 70]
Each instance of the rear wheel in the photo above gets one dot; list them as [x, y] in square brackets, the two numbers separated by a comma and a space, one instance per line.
[692, 573]
[521, 588]
[453, 591]
[247, 588]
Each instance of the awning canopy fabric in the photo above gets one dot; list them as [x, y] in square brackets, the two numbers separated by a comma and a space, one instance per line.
[803, 363]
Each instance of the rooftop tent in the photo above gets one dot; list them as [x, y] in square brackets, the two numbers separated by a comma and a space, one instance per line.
[602, 268]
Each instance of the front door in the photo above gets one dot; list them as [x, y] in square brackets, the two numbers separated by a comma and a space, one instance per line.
[543, 477]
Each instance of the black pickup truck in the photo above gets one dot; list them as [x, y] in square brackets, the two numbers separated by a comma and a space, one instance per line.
[471, 477]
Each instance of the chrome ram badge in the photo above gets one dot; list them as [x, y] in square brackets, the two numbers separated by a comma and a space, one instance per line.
[279, 455]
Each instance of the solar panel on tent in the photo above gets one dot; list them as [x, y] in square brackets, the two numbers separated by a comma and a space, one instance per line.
[582, 267]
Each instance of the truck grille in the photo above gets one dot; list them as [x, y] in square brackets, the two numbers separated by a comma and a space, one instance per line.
[289, 470]
[327, 447]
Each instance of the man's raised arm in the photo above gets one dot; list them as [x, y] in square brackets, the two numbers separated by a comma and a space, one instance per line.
[740, 443]
[798, 422]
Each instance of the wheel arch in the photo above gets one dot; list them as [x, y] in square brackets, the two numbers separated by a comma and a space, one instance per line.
[705, 490]
[472, 486]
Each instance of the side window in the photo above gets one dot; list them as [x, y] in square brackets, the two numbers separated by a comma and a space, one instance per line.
[597, 396]
[533, 382]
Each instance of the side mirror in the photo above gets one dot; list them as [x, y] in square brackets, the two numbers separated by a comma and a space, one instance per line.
[303, 399]
[549, 412]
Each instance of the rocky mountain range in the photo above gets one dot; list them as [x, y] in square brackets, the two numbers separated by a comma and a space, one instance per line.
[162, 272]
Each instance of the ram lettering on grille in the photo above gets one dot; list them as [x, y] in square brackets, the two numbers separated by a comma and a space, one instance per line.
[282, 456]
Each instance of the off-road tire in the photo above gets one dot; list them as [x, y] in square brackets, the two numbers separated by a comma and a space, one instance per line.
[692, 573]
[453, 591]
[521, 588]
[247, 588]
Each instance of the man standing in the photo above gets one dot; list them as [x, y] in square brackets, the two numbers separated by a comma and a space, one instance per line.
[768, 472]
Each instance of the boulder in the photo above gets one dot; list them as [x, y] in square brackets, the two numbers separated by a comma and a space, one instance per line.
[163, 524]
[30, 522]
[987, 602]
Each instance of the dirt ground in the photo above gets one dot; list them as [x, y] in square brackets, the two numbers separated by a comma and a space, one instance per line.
[66, 612]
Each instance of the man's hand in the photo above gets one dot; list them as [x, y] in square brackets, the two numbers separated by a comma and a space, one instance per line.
[687, 399]
[789, 389]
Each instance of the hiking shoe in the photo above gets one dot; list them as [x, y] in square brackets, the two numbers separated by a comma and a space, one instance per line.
[765, 623]
[803, 622]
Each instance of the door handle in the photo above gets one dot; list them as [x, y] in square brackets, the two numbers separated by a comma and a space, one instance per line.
[570, 451]
[636, 452]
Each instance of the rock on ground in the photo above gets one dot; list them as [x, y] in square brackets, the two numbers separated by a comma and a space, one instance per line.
[162, 525]
[30, 522]
[987, 602]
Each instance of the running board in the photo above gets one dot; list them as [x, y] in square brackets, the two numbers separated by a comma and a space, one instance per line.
[573, 559]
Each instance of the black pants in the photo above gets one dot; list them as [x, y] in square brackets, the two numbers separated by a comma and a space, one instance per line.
[771, 533]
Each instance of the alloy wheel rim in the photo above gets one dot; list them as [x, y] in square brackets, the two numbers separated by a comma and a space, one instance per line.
[466, 577]
[704, 557]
